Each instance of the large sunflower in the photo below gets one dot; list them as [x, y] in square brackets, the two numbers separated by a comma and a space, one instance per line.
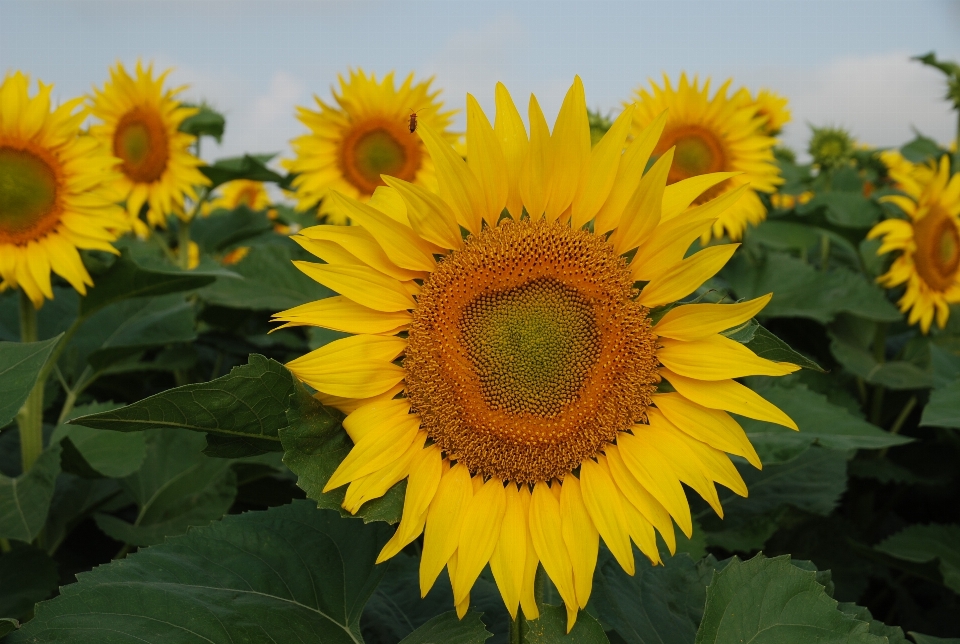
[140, 124]
[712, 135]
[527, 410]
[364, 135]
[929, 245]
[55, 194]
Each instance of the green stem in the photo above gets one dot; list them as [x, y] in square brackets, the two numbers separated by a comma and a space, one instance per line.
[898, 423]
[824, 253]
[183, 245]
[516, 627]
[4, 545]
[30, 418]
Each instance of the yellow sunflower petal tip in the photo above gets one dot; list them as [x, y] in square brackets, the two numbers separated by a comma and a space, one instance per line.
[528, 356]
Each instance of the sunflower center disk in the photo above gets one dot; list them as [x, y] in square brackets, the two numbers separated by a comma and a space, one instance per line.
[532, 347]
[379, 147]
[28, 194]
[698, 151]
[527, 352]
[140, 141]
[938, 249]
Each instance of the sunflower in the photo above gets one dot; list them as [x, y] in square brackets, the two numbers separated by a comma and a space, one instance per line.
[769, 106]
[364, 135]
[906, 175]
[140, 124]
[55, 194]
[242, 192]
[712, 135]
[527, 411]
[929, 245]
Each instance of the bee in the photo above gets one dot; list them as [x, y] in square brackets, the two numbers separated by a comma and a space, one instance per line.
[413, 120]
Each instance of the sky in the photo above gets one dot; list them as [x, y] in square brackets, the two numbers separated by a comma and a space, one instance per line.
[842, 63]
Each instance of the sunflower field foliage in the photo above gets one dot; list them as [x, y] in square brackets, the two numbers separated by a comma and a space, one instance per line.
[404, 383]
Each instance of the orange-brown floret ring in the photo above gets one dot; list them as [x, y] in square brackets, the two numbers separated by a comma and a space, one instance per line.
[938, 248]
[486, 408]
[43, 215]
[379, 146]
[141, 142]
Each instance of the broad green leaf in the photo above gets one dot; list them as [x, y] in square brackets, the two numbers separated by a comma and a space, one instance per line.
[743, 333]
[224, 229]
[551, 628]
[74, 499]
[111, 454]
[767, 345]
[447, 628]
[20, 364]
[290, 574]
[820, 421]
[894, 634]
[657, 604]
[801, 290]
[922, 149]
[943, 410]
[125, 279]
[920, 638]
[896, 374]
[812, 482]
[270, 282]
[8, 625]
[27, 576]
[206, 122]
[24, 500]
[846, 209]
[314, 444]
[768, 600]
[251, 167]
[176, 487]
[923, 543]
[248, 404]
[791, 235]
[54, 318]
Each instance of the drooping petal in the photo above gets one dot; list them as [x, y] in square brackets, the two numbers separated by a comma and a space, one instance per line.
[360, 366]
[638, 496]
[444, 520]
[508, 561]
[717, 358]
[711, 426]
[478, 536]
[546, 529]
[699, 321]
[580, 536]
[684, 278]
[375, 450]
[362, 284]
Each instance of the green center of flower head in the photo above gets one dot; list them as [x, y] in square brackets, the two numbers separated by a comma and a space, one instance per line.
[141, 142]
[28, 190]
[694, 155]
[532, 346]
[378, 152]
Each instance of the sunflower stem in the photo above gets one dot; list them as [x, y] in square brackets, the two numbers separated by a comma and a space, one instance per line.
[898, 423]
[824, 253]
[30, 418]
[516, 636]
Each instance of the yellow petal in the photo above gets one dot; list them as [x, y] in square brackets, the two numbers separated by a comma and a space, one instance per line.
[364, 285]
[429, 215]
[340, 314]
[374, 451]
[444, 520]
[546, 529]
[639, 497]
[684, 278]
[657, 479]
[678, 196]
[478, 536]
[642, 213]
[508, 561]
[458, 187]
[350, 405]
[715, 465]
[464, 604]
[425, 472]
[717, 358]
[360, 366]
[580, 536]
[513, 142]
[602, 170]
[570, 147]
[642, 532]
[368, 418]
[665, 247]
[535, 170]
[485, 158]
[711, 426]
[528, 600]
[730, 396]
[631, 169]
[376, 484]
[602, 499]
[401, 244]
[698, 321]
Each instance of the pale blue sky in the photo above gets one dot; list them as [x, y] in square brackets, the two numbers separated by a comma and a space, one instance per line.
[840, 62]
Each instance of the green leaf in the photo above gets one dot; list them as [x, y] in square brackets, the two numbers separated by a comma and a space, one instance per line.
[920, 638]
[206, 122]
[923, 543]
[74, 499]
[943, 410]
[448, 628]
[290, 574]
[800, 290]
[791, 235]
[176, 487]
[8, 625]
[769, 600]
[250, 167]
[820, 421]
[125, 279]
[24, 500]
[109, 454]
[224, 229]
[657, 604]
[743, 333]
[846, 209]
[894, 634]
[767, 345]
[812, 482]
[249, 404]
[20, 364]
[27, 576]
[922, 149]
[270, 282]
[551, 628]
[314, 444]
[897, 374]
